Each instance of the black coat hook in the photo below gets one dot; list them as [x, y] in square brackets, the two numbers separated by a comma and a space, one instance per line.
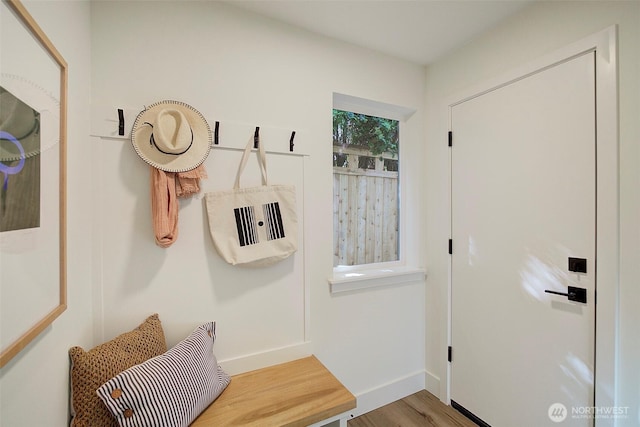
[120, 122]
[256, 137]
[215, 133]
[293, 135]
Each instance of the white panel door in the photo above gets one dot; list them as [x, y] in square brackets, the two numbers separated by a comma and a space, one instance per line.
[523, 203]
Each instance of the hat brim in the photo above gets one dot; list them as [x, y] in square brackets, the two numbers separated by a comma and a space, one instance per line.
[192, 158]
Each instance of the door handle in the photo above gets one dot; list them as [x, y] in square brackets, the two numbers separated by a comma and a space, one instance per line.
[573, 294]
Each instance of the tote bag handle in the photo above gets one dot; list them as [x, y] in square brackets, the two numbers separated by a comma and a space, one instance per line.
[262, 161]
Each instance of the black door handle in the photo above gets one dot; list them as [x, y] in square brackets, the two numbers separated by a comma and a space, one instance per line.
[573, 294]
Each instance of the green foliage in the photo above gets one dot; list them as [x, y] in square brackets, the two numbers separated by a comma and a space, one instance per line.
[376, 134]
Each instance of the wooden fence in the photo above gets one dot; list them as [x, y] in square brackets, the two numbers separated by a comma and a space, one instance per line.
[365, 212]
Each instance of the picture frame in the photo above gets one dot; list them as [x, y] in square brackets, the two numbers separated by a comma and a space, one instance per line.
[33, 123]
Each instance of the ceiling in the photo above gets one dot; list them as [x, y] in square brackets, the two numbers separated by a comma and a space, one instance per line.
[420, 31]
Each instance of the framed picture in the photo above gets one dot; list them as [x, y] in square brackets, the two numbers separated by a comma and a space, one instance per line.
[33, 104]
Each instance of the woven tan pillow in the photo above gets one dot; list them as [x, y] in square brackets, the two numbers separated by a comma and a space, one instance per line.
[90, 369]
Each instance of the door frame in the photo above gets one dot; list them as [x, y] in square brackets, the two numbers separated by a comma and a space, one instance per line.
[604, 44]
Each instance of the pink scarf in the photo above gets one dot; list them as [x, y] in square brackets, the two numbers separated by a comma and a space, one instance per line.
[166, 187]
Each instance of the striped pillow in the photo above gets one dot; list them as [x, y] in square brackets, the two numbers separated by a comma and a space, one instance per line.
[171, 389]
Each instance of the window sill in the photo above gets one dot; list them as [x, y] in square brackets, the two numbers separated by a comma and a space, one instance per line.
[352, 280]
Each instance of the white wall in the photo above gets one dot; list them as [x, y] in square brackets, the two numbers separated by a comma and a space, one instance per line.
[236, 67]
[34, 384]
[540, 29]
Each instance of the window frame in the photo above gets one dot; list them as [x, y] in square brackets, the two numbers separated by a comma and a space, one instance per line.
[346, 278]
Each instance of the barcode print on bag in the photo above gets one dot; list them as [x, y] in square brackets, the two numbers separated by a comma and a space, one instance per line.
[273, 219]
[246, 224]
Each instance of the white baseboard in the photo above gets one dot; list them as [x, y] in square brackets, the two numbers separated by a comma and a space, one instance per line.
[250, 362]
[432, 384]
[390, 392]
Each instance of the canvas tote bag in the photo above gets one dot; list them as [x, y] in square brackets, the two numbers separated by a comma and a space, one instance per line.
[255, 226]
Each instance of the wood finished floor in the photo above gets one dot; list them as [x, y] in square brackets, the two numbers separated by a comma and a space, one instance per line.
[419, 409]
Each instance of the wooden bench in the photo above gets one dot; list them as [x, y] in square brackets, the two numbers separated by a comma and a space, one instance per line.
[298, 393]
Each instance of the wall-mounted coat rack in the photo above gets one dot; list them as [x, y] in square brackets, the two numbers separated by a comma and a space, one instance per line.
[114, 122]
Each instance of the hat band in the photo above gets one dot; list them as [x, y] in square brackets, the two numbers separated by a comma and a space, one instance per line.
[152, 141]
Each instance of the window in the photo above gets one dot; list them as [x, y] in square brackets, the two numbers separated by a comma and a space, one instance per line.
[365, 189]
[366, 149]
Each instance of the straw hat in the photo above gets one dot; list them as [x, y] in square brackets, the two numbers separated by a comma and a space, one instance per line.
[171, 136]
